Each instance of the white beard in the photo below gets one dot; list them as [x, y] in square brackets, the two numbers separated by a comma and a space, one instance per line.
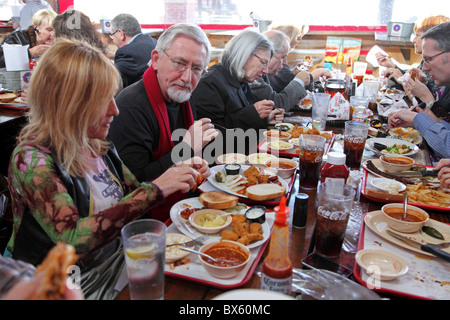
[179, 96]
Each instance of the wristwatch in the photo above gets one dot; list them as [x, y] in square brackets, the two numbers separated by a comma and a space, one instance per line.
[429, 104]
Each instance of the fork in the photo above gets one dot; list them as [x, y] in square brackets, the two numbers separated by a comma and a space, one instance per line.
[188, 243]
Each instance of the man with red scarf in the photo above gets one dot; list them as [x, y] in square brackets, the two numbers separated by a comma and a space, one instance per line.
[152, 109]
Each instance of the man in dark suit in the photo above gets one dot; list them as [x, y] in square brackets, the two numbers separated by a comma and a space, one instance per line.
[135, 48]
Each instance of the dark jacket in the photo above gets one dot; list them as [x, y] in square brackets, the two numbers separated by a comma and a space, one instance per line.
[132, 59]
[23, 37]
[221, 97]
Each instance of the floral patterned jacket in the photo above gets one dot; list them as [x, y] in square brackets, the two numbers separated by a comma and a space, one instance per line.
[50, 206]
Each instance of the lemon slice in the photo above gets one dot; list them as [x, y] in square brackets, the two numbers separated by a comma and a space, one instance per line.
[142, 252]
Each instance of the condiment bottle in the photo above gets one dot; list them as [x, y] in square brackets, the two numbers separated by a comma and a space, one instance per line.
[360, 114]
[348, 70]
[340, 56]
[277, 267]
[334, 173]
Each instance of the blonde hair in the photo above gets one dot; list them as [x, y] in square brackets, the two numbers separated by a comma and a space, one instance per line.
[293, 32]
[70, 87]
[429, 22]
[43, 16]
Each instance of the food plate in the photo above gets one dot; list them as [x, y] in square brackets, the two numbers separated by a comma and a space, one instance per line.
[377, 222]
[425, 278]
[390, 142]
[222, 186]
[407, 134]
[364, 187]
[263, 147]
[184, 226]
[14, 106]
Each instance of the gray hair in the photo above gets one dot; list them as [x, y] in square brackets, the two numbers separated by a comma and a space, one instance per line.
[188, 30]
[240, 48]
[440, 33]
[127, 23]
[279, 40]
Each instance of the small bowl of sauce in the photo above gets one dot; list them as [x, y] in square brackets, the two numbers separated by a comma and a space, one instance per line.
[231, 258]
[413, 221]
[256, 214]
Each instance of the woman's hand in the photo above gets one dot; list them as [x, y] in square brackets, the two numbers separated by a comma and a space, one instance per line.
[276, 116]
[176, 179]
[38, 50]
[264, 108]
[384, 60]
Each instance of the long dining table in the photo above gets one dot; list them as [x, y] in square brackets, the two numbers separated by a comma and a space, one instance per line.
[301, 242]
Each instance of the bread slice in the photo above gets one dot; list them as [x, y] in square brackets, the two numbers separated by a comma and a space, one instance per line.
[265, 191]
[218, 200]
[7, 97]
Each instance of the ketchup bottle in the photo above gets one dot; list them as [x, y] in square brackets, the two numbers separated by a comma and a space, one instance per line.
[277, 267]
[334, 173]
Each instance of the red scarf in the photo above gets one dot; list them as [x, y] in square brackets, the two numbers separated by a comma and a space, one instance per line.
[165, 143]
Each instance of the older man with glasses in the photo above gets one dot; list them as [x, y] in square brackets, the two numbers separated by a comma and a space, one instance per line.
[436, 58]
[152, 109]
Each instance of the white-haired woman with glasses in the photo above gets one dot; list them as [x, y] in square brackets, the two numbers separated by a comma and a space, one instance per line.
[223, 93]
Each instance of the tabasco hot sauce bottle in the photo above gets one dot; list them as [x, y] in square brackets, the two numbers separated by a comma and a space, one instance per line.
[277, 267]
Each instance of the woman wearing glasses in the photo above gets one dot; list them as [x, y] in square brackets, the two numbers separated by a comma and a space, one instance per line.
[223, 93]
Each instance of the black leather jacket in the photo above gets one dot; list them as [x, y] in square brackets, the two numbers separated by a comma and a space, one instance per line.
[22, 37]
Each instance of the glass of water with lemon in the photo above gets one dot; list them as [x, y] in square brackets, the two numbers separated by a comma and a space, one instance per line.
[144, 244]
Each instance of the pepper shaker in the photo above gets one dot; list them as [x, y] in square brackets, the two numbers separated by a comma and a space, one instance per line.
[300, 210]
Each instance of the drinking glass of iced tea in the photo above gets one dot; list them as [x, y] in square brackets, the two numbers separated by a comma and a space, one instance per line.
[311, 149]
[355, 135]
[333, 211]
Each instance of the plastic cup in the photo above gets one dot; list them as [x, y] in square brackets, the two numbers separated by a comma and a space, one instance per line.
[311, 149]
[320, 103]
[357, 101]
[355, 135]
[144, 245]
[333, 211]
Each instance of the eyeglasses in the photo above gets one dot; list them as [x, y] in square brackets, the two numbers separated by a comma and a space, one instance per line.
[428, 60]
[181, 66]
[112, 34]
[264, 63]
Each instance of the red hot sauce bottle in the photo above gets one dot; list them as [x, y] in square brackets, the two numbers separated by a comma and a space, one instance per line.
[277, 267]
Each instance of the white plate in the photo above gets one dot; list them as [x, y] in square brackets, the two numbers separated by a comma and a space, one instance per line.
[184, 226]
[389, 142]
[376, 222]
[384, 184]
[222, 186]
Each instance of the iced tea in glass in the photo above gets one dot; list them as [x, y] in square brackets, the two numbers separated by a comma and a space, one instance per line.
[355, 135]
[311, 149]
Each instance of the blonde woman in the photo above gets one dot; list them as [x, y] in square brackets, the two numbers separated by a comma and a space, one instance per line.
[38, 36]
[67, 182]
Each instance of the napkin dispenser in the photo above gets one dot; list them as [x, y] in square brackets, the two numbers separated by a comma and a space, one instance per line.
[16, 57]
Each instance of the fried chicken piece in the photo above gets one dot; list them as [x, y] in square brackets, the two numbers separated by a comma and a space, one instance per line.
[237, 218]
[241, 228]
[263, 178]
[250, 238]
[252, 171]
[229, 235]
[255, 227]
[252, 180]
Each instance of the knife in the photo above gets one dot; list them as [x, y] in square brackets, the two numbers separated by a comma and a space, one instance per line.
[424, 247]
[420, 174]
